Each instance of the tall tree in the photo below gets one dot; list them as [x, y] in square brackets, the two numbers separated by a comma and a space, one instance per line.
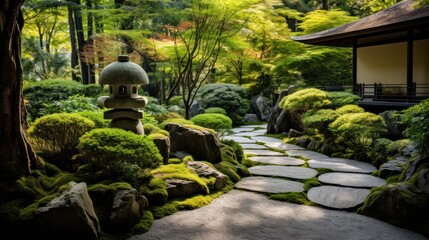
[16, 153]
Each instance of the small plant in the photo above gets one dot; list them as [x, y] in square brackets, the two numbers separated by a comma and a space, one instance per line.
[416, 118]
[75, 103]
[57, 135]
[214, 121]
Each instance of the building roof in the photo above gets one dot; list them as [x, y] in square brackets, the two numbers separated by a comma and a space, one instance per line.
[389, 25]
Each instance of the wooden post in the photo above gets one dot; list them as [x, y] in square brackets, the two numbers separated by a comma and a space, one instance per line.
[410, 56]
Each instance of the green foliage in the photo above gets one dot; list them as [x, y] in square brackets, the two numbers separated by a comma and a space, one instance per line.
[339, 99]
[47, 91]
[57, 135]
[214, 121]
[118, 152]
[152, 129]
[180, 121]
[304, 100]
[364, 124]
[238, 149]
[96, 117]
[155, 191]
[416, 118]
[167, 115]
[144, 224]
[176, 100]
[75, 103]
[319, 119]
[320, 20]
[230, 97]
[154, 108]
[215, 110]
[149, 118]
[379, 151]
[311, 182]
[228, 169]
[349, 109]
[396, 147]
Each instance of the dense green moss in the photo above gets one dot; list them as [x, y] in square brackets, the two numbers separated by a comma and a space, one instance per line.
[311, 182]
[144, 225]
[228, 169]
[293, 197]
[215, 121]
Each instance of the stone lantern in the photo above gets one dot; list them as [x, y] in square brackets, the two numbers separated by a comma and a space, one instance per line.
[124, 78]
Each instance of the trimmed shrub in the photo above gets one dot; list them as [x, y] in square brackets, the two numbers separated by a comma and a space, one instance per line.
[232, 98]
[214, 121]
[152, 129]
[176, 100]
[96, 117]
[39, 93]
[119, 152]
[57, 135]
[339, 99]
[167, 115]
[216, 110]
[350, 108]
[319, 119]
[351, 124]
[304, 100]
[416, 118]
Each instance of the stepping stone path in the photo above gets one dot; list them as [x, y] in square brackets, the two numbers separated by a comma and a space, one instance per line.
[345, 188]
[269, 185]
[280, 160]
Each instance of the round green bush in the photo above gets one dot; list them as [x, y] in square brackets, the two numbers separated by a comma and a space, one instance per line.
[117, 151]
[362, 124]
[57, 135]
[214, 121]
[349, 108]
[215, 110]
[339, 99]
[232, 98]
[96, 117]
[319, 119]
[416, 118]
[304, 100]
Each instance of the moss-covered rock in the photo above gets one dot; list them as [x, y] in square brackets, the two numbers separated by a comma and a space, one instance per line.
[401, 204]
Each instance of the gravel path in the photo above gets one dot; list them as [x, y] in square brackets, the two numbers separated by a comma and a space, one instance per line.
[246, 215]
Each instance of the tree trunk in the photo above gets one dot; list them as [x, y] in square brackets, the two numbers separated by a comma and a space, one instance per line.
[16, 153]
[74, 55]
[84, 69]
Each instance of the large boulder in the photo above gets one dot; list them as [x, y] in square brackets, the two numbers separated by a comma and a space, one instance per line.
[394, 166]
[414, 165]
[261, 107]
[204, 170]
[201, 143]
[163, 145]
[183, 188]
[68, 216]
[401, 204]
[394, 129]
[275, 112]
[195, 109]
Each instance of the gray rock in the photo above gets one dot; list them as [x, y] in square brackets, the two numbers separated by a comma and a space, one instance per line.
[278, 160]
[261, 152]
[71, 215]
[409, 150]
[414, 165]
[275, 112]
[204, 170]
[174, 108]
[267, 139]
[269, 185]
[351, 180]
[202, 144]
[337, 197]
[240, 139]
[394, 166]
[261, 107]
[182, 188]
[163, 145]
[423, 180]
[394, 129]
[253, 146]
[306, 154]
[195, 109]
[342, 165]
[283, 171]
[127, 210]
[251, 117]
[294, 133]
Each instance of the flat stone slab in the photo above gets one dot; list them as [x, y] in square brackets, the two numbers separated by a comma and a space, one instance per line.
[305, 153]
[262, 152]
[239, 139]
[284, 146]
[283, 171]
[249, 134]
[278, 160]
[351, 179]
[338, 197]
[267, 139]
[242, 129]
[342, 165]
[253, 146]
[269, 185]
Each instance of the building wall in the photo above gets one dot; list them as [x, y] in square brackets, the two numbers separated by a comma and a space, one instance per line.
[387, 64]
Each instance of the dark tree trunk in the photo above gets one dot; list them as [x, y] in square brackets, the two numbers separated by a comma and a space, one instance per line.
[16, 153]
[74, 55]
[99, 28]
[90, 54]
[84, 69]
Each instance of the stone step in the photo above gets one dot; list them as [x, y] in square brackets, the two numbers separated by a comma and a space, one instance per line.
[278, 160]
[351, 180]
[342, 165]
[269, 185]
[337, 197]
[283, 171]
